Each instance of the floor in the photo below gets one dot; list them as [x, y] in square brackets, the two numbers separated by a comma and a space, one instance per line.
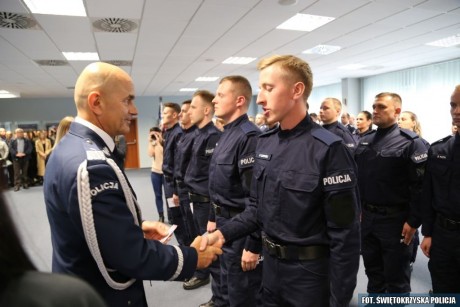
[28, 209]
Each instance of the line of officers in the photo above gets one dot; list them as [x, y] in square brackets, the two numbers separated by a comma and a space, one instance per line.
[295, 206]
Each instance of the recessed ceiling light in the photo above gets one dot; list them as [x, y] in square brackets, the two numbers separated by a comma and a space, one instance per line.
[352, 66]
[57, 7]
[304, 22]
[206, 79]
[238, 60]
[287, 2]
[188, 89]
[447, 41]
[7, 94]
[322, 49]
[81, 56]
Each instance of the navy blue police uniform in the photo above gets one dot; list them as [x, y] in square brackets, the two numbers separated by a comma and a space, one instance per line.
[343, 132]
[197, 181]
[357, 135]
[181, 160]
[441, 213]
[391, 164]
[118, 259]
[230, 175]
[305, 200]
[171, 138]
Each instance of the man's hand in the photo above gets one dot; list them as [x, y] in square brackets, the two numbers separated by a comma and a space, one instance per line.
[215, 239]
[211, 227]
[249, 260]
[206, 256]
[408, 233]
[176, 200]
[425, 246]
[154, 230]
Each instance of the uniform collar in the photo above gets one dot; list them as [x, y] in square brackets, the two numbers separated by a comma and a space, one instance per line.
[243, 118]
[303, 125]
[101, 133]
[336, 123]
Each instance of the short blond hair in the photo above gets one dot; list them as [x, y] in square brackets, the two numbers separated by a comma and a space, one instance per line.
[296, 70]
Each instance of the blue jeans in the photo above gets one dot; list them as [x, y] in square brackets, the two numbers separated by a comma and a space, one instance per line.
[157, 183]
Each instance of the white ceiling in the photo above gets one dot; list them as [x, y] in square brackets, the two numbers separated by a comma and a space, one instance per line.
[180, 40]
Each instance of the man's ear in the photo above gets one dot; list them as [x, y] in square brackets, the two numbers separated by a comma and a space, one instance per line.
[240, 101]
[299, 89]
[94, 103]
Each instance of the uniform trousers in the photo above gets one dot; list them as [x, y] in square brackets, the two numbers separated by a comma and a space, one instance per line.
[295, 282]
[175, 216]
[187, 215]
[201, 218]
[444, 263]
[238, 288]
[386, 259]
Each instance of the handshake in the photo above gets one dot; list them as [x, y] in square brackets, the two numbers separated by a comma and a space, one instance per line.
[208, 247]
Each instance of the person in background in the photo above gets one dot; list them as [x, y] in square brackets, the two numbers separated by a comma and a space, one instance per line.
[218, 123]
[329, 113]
[345, 119]
[391, 164]
[4, 153]
[20, 150]
[22, 285]
[441, 208]
[261, 122]
[43, 149]
[155, 150]
[304, 197]
[314, 118]
[61, 130]
[363, 125]
[120, 143]
[97, 230]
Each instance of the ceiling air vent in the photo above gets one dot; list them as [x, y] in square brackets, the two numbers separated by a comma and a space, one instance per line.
[51, 62]
[16, 21]
[120, 63]
[117, 25]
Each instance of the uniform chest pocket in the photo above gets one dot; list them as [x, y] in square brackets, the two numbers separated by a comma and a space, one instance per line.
[301, 182]
[441, 175]
[226, 159]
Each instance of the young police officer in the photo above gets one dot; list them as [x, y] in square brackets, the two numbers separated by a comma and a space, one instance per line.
[329, 114]
[441, 210]
[391, 166]
[230, 174]
[197, 181]
[305, 198]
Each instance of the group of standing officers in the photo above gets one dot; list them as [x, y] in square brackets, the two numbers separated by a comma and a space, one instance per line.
[291, 208]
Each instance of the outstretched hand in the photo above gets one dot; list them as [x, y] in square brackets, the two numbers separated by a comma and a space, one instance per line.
[154, 230]
[207, 255]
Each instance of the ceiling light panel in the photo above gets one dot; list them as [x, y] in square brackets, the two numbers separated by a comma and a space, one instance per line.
[304, 22]
[446, 42]
[81, 56]
[322, 49]
[57, 7]
[238, 60]
[188, 89]
[206, 79]
[352, 67]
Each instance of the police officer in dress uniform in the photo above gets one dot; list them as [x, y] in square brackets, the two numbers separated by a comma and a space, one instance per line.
[441, 208]
[181, 160]
[391, 164]
[329, 113]
[197, 181]
[304, 198]
[96, 226]
[230, 174]
[171, 138]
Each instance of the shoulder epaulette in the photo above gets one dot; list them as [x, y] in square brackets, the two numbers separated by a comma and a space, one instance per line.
[443, 140]
[269, 132]
[325, 136]
[409, 133]
[249, 127]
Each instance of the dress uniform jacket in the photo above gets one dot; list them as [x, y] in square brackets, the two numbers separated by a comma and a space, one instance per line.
[343, 132]
[305, 187]
[125, 252]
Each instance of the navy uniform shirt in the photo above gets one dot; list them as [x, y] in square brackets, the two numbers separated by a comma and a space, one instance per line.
[123, 247]
[197, 174]
[343, 132]
[441, 190]
[305, 191]
[183, 153]
[171, 138]
[230, 171]
[391, 163]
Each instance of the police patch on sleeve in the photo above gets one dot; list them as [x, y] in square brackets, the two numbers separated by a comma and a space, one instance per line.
[246, 161]
[95, 155]
[419, 157]
[339, 180]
